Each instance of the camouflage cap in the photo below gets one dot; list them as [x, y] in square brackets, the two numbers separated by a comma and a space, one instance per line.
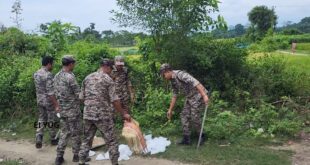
[119, 60]
[106, 62]
[164, 67]
[67, 59]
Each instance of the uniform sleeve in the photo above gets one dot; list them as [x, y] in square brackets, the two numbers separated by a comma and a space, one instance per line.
[74, 85]
[50, 84]
[82, 93]
[188, 79]
[175, 90]
[112, 93]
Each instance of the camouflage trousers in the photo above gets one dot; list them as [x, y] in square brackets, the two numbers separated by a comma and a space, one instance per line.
[47, 118]
[107, 130]
[192, 114]
[70, 127]
[125, 102]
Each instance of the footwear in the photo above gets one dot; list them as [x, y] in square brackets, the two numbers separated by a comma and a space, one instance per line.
[39, 139]
[59, 160]
[88, 159]
[83, 164]
[75, 158]
[203, 139]
[185, 140]
[54, 142]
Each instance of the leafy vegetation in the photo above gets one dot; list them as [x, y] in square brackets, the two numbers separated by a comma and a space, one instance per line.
[256, 92]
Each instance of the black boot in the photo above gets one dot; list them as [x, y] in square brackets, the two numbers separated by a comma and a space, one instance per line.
[83, 164]
[88, 159]
[54, 141]
[185, 140]
[39, 139]
[75, 158]
[59, 160]
[203, 139]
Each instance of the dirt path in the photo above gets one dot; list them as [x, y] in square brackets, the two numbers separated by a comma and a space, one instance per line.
[301, 150]
[287, 52]
[26, 151]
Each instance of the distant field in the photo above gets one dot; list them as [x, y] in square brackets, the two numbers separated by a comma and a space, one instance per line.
[127, 50]
[298, 62]
[303, 48]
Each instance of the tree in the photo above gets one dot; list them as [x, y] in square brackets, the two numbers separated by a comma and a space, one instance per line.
[17, 11]
[91, 34]
[58, 33]
[262, 19]
[304, 25]
[239, 30]
[165, 17]
[170, 24]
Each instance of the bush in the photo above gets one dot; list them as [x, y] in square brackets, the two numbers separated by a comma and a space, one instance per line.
[224, 125]
[88, 57]
[13, 41]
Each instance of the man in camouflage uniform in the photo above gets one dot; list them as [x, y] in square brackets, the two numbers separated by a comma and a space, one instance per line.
[67, 93]
[43, 80]
[196, 98]
[124, 88]
[98, 93]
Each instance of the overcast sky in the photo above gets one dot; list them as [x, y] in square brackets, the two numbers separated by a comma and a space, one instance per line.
[82, 12]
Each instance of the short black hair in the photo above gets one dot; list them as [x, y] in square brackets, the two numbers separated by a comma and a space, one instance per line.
[67, 61]
[47, 60]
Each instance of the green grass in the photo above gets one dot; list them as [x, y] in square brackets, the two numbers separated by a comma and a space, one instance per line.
[124, 48]
[305, 47]
[15, 129]
[12, 162]
[301, 63]
[245, 152]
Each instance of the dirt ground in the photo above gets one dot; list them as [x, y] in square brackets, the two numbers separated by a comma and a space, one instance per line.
[300, 148]
[24, 151]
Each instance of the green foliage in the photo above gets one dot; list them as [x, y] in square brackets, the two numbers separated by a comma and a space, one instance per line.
[217, 63]
[224, 125]
[88, 56]
[303, 26]
[292, 31]
[14, 41]
[262, 19]
[275, 42]
[58, 34]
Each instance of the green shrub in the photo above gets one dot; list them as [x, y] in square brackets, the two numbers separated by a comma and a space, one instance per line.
[88, 56]
[224, 125]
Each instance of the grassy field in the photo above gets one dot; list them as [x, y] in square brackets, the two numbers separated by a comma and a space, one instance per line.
[10, 162]
[303, 48]
[246, 152]
[126, 50]
[299, 62]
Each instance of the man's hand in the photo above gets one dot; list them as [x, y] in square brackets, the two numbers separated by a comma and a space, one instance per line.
[206, 99]
[127, 117]
[57, 109]
[169, 114]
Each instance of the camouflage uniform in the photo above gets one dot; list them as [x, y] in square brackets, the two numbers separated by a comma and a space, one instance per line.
[122, 81]
[98, 93]
[67, 94]
[194, 104]
[43, 80]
